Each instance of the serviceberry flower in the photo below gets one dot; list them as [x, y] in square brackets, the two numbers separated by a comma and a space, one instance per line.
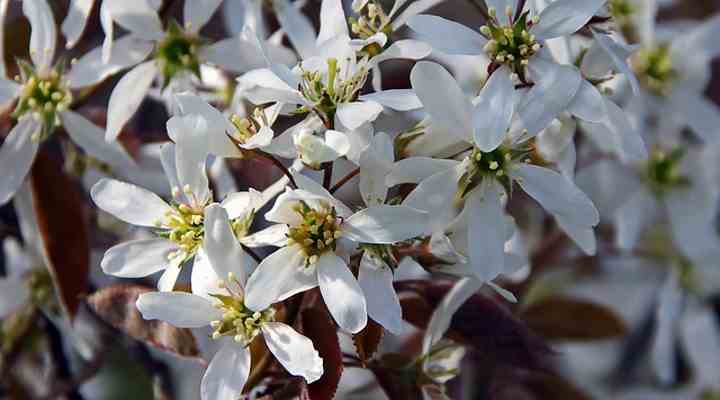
[322, 234]
[181, 224]
[177, 53]
[43, 92]
[220, 303]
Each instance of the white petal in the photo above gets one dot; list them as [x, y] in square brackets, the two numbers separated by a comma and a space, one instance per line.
[619, 54]
[581, 235]
[204, 281]
[447, 36]
[274, 235]
[627, 141]
[137, 258]
[375, 163]
[501, 5]
[436, 195]
[565, 17]
[183, 310]
[279, 276]
[91, 68]
[241, 203]
[15, 294]
[42, 32]
[197, 13]
[191, 152]
[299, 30]
[227, 373]
[354, 114]
[16, 157]
[90, 138]
[130, 203]
[632, 217]
[294, 351]
[555, 87]
[487, 217]
[127, 96]
[17, 261]
[264, 86]
[74, 24]
[403, 49]
[588, 103]
[169, 277]
[443, 99]
[332, 21]
[441, 317]
[235, 54]
[691, 215]
[417, 169]
[701, 341]
[341, 292]
[137, 16]
[376, 280]
[700, 114]
[225, 253]
[397, 99]
[317, 189]
[415, 8]
[494, 110]
[385, 224]
[218, 142]
[667, 314]
[9, 90]
[557, 195]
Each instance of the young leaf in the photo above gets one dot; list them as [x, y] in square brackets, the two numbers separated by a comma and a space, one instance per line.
[116, 305]
[566, 318]
[318, 326]
[367, 341]
[59, 209]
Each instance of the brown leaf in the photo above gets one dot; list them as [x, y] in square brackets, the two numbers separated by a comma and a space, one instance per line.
[482, 323]
[368, 340]
[116, 305]
[519, 384]
[62, 224]
[567, 318]
[318, 326]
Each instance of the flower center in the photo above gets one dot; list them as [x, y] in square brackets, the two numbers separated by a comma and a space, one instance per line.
[371, 20]
[318, 231]
[248, 127]
[184, 227]
[326, 92]
[512, 44]
[43, 96]
[238, 321]
[177, 52]
[654, 69]
[621, 9]
[662, 171]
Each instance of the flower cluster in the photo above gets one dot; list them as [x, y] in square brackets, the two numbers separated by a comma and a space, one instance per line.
[578, 107]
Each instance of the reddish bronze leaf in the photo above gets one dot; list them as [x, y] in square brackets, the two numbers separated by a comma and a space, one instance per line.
[567, 318]
[318, 326]
[62, 224]
[116, 306]
[368, 340]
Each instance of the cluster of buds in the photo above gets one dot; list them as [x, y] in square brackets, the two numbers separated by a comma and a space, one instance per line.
[662, 171]
[511, 44]
[177, 52]
[43, 95]
[654, 69]
[318, 231]
[238, 320]
[326, 92]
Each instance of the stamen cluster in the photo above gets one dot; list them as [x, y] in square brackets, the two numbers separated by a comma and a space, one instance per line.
[327, 92]
[318, 231]
[654, 69]
[177, 52]
[184, 227]
[511, 44]
[248, 127]
[662, 171]
[371, 20]
[43, 95]
[495, 164]
[238, 320]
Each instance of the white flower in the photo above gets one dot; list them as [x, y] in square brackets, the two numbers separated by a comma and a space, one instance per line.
[43, 95]
[220, 303]
[178, 52]
[478, 185]
[181, 224]
[516, 48]
[322, 234]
